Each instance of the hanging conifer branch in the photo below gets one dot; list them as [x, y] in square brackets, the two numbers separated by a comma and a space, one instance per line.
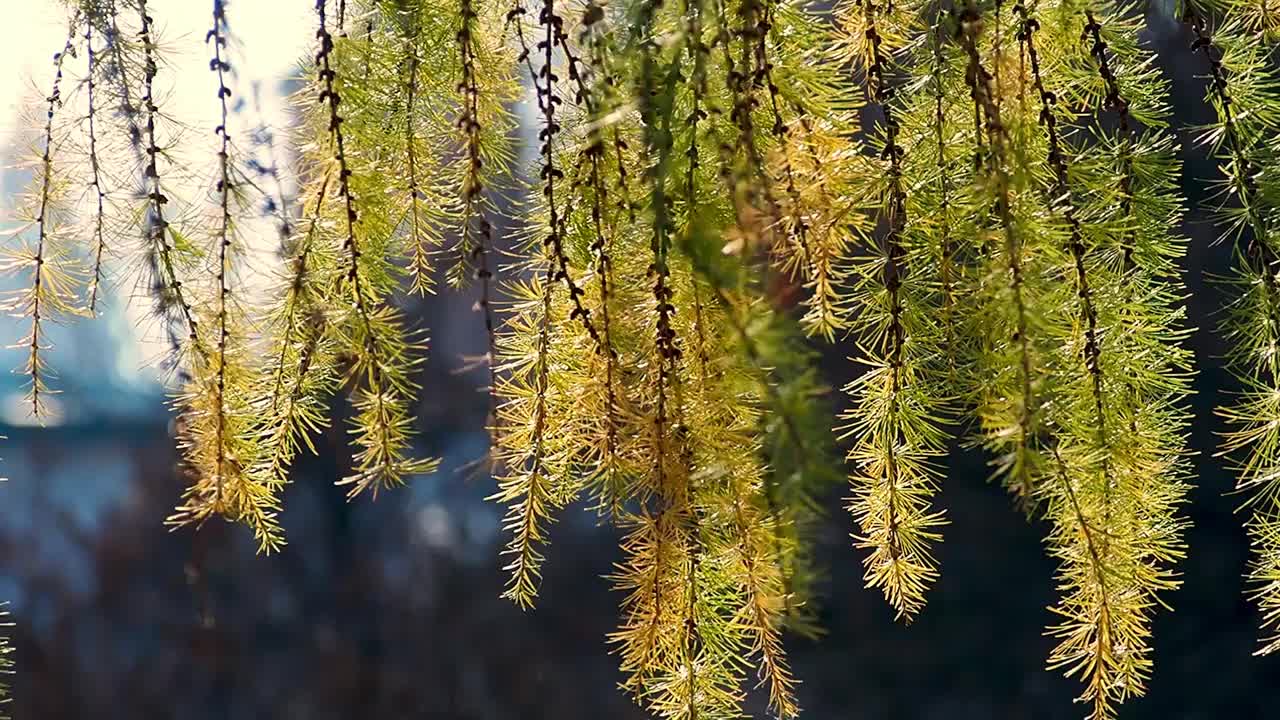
[770, 586]
[604, 273]
[1098, 629]
[891, 423]
[163, 253]
[220, 438]
[620, 147]
[117, 73]
[1114, 496]
[526, 486]
[420, 265]
[1115, 102]
[477, 230]
[1016, 423]
[382, 427]
[699, 54]
[826, 246]
[765, 618]
[757, 538]
[529, 466]
[947, 265]
[774, 668]
[1066, 207]
[50, 294]
[691, 640]
[659, 574]
[1090, 652]
[225, 189]
[474, 244]
[1244, 93]
[553, 28]
[590, 93]
[759, 209]
[655, 109]
[544, 81]
[655, 103]
[797, 220]
[302, 368]
[100, 195]
[1143, 209]
[795, 446]
[1243, 173]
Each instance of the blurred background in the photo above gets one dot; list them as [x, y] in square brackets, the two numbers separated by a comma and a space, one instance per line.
[390, 609]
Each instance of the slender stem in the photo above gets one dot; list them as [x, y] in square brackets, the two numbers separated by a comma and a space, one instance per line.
[600, 246]
[1063, 199]
[1116, 101]
[297, 289]
[421, 263]
[351, 244]
[225, 188]
[882, 94]
[44, 227]
[1259, 252]
[100, 240]
[981, 88]
[158, 232]
[1098, 570]
[947, 268]
[476, 245]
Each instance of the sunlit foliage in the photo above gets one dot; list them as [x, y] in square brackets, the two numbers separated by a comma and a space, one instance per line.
[977, 201]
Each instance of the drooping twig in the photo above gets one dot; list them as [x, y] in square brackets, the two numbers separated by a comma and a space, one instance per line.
[170, 291]
[477, 229]
[1065, 204]
[219, 65]
[983, 92]
[100, 195]
[42, 285]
